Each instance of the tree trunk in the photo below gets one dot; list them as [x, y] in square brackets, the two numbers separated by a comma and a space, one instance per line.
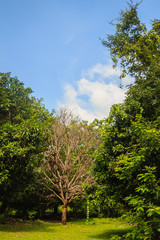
[64, 213]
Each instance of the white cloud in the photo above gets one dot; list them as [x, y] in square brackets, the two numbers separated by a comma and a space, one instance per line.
[94, 94]
[101, 95]
[103, 70]
[72, 101]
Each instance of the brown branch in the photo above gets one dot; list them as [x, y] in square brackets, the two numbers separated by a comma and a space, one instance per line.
[52, 191]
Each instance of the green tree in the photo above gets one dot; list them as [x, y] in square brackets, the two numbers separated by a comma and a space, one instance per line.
[137, 51]
[24, 132]
[116, 138]
[128, 159]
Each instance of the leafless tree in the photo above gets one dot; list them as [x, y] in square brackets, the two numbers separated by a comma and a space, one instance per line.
[66, 165]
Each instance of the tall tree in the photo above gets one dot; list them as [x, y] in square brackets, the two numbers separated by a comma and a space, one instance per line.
[66, 166]
[128, 160]
[138, 50]
[24, 126]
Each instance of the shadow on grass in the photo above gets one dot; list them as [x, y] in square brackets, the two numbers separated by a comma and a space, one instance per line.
[28, 228]
[109, 233]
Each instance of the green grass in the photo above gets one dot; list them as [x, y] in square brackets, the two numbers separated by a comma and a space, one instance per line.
[97, 229]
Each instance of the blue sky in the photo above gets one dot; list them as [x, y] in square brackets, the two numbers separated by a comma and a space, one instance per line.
[53, 47]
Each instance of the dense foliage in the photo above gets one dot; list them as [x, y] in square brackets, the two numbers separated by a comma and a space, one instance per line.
[24, 125]
[127, 162]
[58, 153]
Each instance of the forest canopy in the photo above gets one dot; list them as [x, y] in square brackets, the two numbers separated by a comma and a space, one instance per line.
[128, 159]
[112, 163]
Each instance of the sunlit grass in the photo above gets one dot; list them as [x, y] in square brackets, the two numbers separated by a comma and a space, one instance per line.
[101, 228]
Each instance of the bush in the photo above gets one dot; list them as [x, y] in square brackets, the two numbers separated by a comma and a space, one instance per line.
[2, 218]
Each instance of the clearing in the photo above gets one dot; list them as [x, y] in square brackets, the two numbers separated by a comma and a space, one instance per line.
[97, 228]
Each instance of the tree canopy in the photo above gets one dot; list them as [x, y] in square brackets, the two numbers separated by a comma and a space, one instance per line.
[61, 151]
[128, 159]
[138, 53]
[23, 137]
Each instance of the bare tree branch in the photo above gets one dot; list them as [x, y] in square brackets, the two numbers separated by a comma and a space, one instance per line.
[67, 162]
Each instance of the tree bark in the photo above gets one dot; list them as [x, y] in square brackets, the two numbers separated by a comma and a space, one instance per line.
[64, 213]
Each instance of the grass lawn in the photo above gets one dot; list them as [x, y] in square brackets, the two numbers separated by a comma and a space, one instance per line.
[101, 228]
